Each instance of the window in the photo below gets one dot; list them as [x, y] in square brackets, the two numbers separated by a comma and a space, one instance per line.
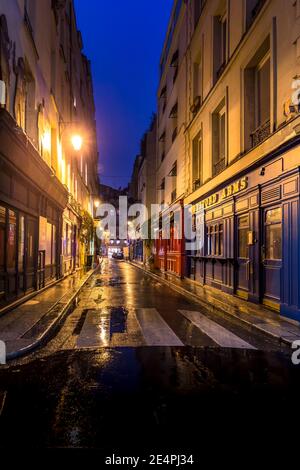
[219, 138]
[68, 240]
[48, 246]
[54, 157]
[69, 177]
[4, 63]
[53, 71]
[243, 228]
[220, 45]
[11, 240]
[215, 241]
[162, 189]
[30, 15]
[273, 234]
[257, 97]
[21, 245]
[173, 175]
[2, 237]
[197, 161]
[31, 127]
[253, 7]
[174, 63]
[174, 116]
[197, 86]
[163, 99]
[198, 7]
[86, 174]
[263, 92]
[162, 145]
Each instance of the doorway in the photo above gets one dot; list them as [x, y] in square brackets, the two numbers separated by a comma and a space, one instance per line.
[271, 257]
[242, 257]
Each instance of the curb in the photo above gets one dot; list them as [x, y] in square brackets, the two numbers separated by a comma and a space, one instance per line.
[43, 337]
[211, 308]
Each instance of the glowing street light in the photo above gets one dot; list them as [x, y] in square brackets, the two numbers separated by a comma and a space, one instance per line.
[76, 142]
[96, 203]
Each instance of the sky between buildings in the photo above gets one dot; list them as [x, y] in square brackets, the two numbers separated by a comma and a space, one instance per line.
[123, 39]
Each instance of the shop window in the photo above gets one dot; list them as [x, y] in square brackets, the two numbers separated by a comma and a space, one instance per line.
[31, 238]
[221, 240]
[274, 234]
[21, 243]
[48, 244]
[243, 228]
[2, 237]
[215, 240]
[11, 245]
[54, 245]
[68, 240]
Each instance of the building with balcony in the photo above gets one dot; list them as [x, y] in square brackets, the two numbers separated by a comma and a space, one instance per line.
[47, 185]
[228, 145]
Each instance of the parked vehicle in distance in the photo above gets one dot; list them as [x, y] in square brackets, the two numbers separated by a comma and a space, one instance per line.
[118, 255]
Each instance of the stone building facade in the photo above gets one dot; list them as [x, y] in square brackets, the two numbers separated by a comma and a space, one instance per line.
[46, 186]
[228, 145]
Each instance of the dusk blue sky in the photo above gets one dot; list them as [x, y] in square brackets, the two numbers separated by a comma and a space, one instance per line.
[123, 39]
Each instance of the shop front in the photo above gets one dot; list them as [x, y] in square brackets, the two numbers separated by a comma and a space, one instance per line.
[169, 245]
[248, 237]
[71, 256]
[31, 206]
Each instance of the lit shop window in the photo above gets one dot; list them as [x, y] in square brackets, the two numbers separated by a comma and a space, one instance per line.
[274, 234]
[215, 239]
[243, 228]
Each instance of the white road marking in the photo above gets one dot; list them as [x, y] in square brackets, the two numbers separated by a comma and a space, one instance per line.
[155, 330]
[216, 332]
[95, 331]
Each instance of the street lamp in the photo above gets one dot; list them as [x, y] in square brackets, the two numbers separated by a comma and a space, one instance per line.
[76, 142]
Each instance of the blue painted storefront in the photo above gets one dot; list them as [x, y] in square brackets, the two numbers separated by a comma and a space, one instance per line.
[249, 240]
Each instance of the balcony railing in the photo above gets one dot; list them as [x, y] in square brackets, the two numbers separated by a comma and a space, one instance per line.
[260, 134]
[218, 167]
[196, 184]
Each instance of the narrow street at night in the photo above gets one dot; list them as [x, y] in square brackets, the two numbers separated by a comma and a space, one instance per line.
[122, 306]
[135, 355]
[149, 233]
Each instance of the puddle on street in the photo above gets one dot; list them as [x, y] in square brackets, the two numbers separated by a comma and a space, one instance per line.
[111, 320]
[112, 282]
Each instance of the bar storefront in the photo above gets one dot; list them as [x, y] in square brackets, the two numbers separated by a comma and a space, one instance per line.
[248, 237]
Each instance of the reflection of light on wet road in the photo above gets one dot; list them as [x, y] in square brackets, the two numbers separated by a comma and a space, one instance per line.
[104, 327]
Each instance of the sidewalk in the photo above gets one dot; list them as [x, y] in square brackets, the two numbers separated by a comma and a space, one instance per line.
[26, 326]
[254, 316]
